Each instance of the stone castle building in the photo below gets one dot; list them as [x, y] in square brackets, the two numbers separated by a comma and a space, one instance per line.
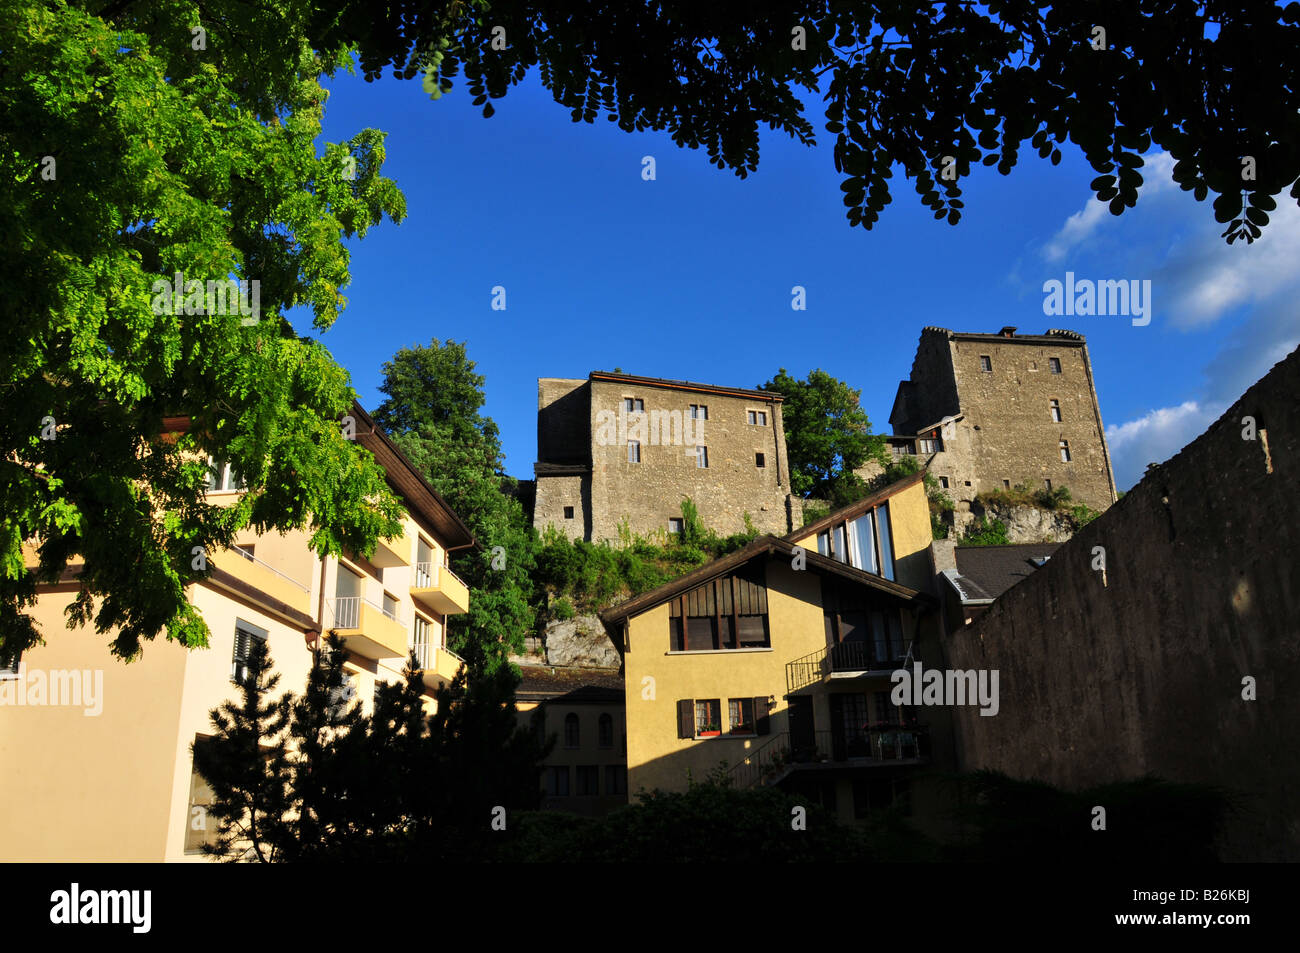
[990, 411]
[616, 448]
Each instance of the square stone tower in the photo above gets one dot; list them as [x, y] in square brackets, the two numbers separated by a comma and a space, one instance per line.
[617, 448]
[989, 411]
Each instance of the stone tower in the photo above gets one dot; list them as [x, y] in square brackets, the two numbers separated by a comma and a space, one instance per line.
[616, 448]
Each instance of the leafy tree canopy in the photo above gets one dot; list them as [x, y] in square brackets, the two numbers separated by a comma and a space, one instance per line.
[937, 89]
[827, 435]
[167, 138]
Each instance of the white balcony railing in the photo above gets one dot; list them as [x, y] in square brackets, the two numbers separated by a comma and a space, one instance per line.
[426, 575]
[253, 559]
[346, 611]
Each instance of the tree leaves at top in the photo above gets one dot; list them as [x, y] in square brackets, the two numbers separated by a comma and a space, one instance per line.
[936, 88]
[130, 155]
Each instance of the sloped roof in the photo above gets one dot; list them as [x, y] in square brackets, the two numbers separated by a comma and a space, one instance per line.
[985, 572]
[855, 509]
[590, 686]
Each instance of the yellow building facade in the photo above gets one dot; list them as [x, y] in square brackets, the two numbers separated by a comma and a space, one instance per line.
[97, 752]
[772, 665]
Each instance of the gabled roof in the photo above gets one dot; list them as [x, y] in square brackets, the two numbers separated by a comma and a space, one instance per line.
[579, 686]
[856, 509]
[763, 547]
[986, 572]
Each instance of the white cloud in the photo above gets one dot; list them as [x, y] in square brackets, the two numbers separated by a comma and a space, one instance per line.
[1157, 176]
[1156, 437]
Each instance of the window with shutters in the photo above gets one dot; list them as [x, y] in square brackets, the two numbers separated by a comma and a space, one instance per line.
[605, 731]
[572, 733]
[245, 633]
[740, 716]
[727, 613]
[708, 717]
[588, 780]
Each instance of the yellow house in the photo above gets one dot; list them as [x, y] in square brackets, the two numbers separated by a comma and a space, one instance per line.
[97, 753]
[773, 664]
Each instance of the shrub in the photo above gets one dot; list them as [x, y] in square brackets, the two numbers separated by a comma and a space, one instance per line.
[983, 533]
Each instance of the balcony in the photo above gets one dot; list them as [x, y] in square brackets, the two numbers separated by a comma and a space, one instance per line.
[872, 746]
[438, 666]
[849, 659]
[366, 628]
[438, 589]
[271, 582]
[390, 553]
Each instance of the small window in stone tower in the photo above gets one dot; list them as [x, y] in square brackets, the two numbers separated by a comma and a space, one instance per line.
[1056, 411]
[1065, 451]
[943, 482]
[674, 524]
[633, 406]
[1006, 484]
[986, 363]
[1049, 485]
[699, 412]
[702, 457]
[758, 417]
[568, 512]
[760, 460]
[634, 451]
[1055, 364]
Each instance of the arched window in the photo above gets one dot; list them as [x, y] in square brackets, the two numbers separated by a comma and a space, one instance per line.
[605, 731]
[571, 733]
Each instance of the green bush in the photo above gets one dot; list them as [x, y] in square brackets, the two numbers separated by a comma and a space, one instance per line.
[562, 609]
[983, 533]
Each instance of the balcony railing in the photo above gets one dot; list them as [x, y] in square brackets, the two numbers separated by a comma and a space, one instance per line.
[253, 559]
[864, 747]
[867, 656]
[426, 653]
[426, 575]
[346, 611]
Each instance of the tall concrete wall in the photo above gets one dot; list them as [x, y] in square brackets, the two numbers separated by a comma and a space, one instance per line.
[1139, 669]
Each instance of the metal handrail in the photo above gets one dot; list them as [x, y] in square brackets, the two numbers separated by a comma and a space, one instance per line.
[871, 744]
[346, 611]
[864, 656]
[426, 575]
[253, 559]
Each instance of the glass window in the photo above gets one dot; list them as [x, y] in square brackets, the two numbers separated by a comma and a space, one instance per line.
[1055, 364]
[588, 780]
[886, 544]
[605, 731]
[615, 779]
[674, 524]
[634, 451]
[740, 713]
[1065, 451]
[702, 457]
[841, 552]
[572, 733]
[708, 718]
[986, 363]
[824, 543]
[861, 531]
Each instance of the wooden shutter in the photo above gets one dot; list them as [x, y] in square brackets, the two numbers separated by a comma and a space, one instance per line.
[686, 718]
[762, 715]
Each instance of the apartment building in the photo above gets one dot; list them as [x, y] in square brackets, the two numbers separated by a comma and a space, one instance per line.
[616, 450]
[991, 411]
[773, 663]
[98, 763]
[583, 709]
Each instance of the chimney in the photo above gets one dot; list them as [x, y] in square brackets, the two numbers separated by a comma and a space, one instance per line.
[1008, 332]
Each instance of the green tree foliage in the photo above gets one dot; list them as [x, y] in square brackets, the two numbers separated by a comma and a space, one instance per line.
[941, 504]
[310, 778]
[431, 411]
[130, 155]
[827, 436]
[937, 90]
[982, 532]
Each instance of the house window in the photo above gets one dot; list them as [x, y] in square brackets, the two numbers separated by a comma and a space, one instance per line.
[634, 451]
[421, 632]
[760, 460]
[568, 512]
[674, 524]
[1055, 364]
[943, 482]
[1065, 451]
[588, 780]
[863, 634]
[986, 363]
[199, 828]
[708, 718]
[572, 733]
[699, 412]
[864, 542]
[740, 715]
[727, 613]
[605, 731]
[245, 633]
[1056, 411]
[557, 781]
[927, 445]
[758, 417]
[702, 457]
[633, 406]
[222, 478]
[391, 607]
[615, 779]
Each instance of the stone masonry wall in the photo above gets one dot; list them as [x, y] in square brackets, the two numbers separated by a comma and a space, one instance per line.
[1139, 669]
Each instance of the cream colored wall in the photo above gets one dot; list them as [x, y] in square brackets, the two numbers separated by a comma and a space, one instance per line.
[656, 757]
[97, 788]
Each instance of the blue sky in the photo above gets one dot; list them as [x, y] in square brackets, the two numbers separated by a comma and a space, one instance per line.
[689, 276]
